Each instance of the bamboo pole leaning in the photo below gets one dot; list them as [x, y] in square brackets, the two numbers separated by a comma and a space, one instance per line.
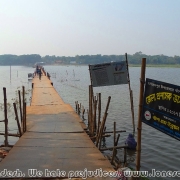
[116, 142]
[131, 95]
[104, 121]
[17, 119]
[100, 133]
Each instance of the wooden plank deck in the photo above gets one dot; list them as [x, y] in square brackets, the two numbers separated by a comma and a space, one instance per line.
[55, 139]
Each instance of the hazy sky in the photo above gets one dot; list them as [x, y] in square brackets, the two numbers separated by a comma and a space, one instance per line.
[81, 27]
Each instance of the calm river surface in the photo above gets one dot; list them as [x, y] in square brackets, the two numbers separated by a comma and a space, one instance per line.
[159, 151]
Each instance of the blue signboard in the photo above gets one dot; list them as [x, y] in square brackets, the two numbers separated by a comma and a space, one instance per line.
[161, 107]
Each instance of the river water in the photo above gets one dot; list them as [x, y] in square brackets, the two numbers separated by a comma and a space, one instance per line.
[159, 151]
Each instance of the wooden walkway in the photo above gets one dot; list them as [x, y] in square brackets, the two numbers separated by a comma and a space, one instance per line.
[55, 143]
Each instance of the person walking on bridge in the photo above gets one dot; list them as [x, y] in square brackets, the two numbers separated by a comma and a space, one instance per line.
[39, 73]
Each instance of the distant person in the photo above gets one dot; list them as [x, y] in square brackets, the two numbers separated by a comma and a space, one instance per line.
[37, 70]
[39, 73]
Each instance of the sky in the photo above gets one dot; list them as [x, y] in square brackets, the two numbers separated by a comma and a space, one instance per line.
[89, 27]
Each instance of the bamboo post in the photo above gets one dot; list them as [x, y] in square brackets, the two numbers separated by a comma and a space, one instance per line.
[23, 100]
[132, 111]
[116, 143]
[94, 126]
[82, 108]
[20, 108]
[114, 133]
[5, 117]
[107, 106]
[83, 112]
[25, 117]
[90, 107]
[88, 116]
[131, 95]
[114, 154]
[99, 112]
[76, 106]
[103, 124]
[102, 130]
[92, 112]
[17, 119]
[91, 99]
[79, 109]
[142, 81]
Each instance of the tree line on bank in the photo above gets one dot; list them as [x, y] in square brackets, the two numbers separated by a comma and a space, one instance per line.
[30, 60]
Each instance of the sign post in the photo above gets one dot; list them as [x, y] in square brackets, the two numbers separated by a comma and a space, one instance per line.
[139, 128]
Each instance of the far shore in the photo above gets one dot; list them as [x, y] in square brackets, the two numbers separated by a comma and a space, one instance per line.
[130, 65]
